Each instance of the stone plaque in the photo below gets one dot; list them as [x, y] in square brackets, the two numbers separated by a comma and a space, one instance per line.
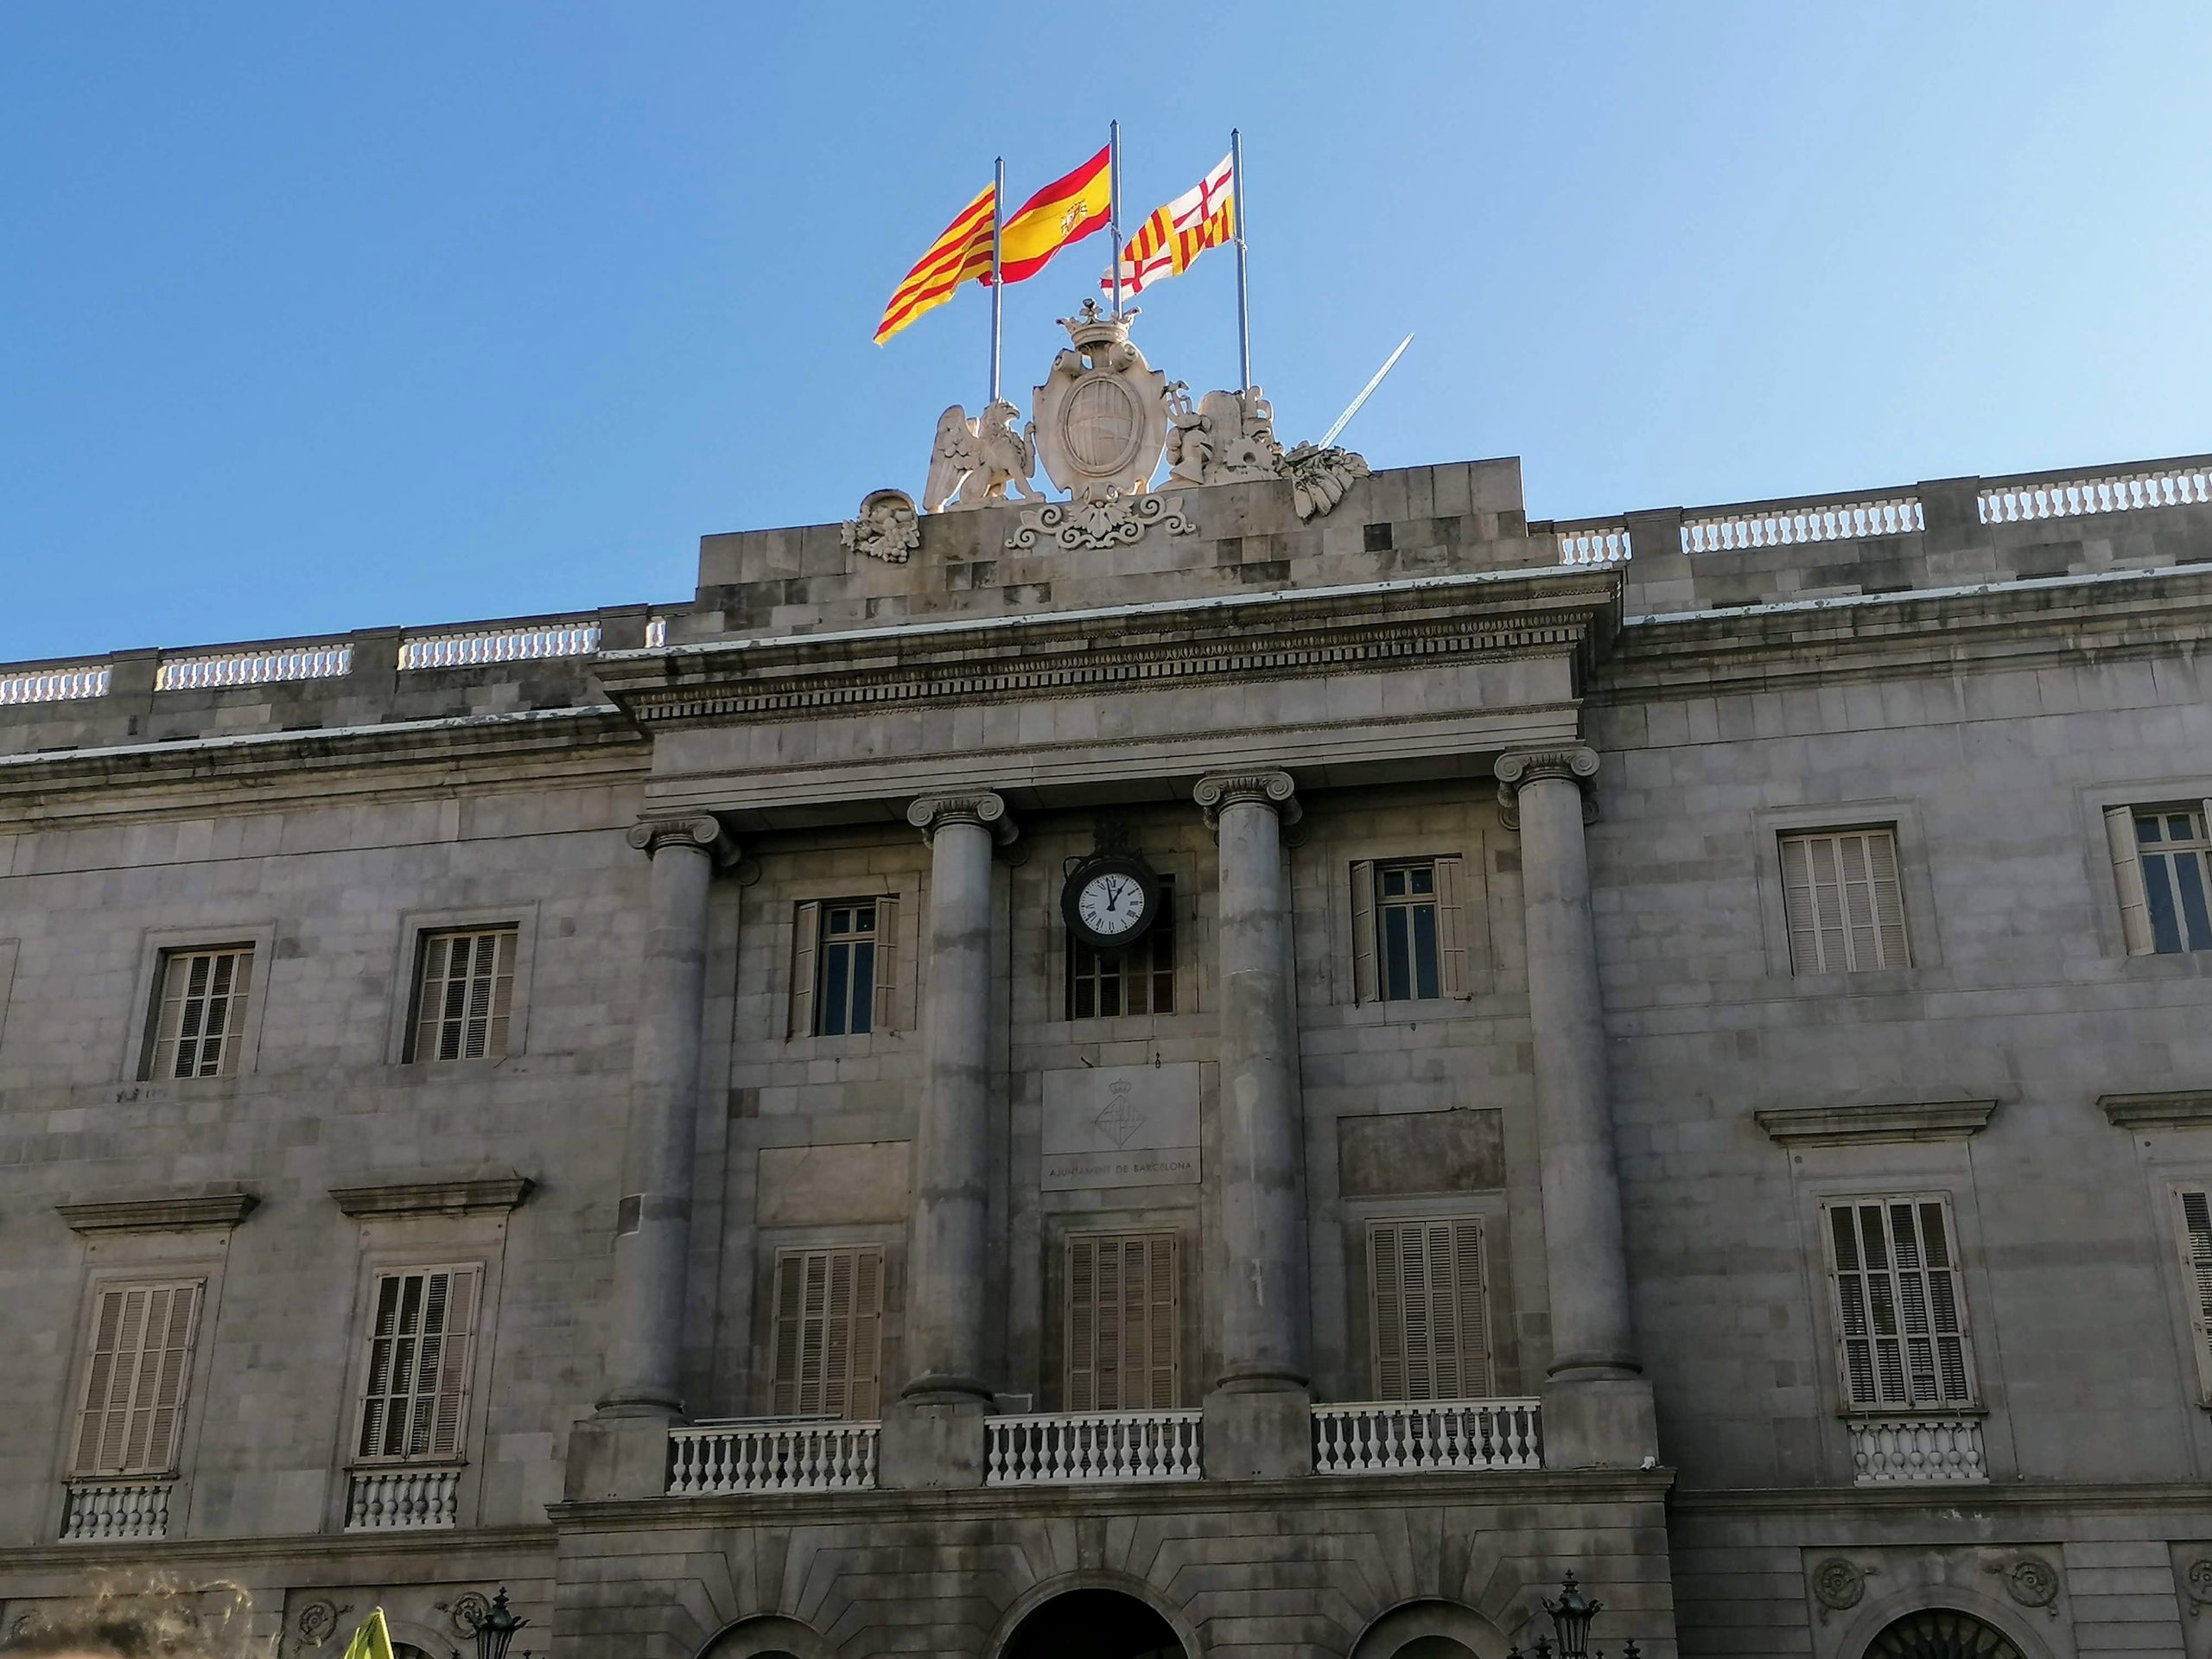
[1120, 1125]
[1400, 1152]
[809, 1185]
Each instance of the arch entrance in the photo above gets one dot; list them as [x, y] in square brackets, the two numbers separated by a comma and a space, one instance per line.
[1941, 1633]
[1094, 1624]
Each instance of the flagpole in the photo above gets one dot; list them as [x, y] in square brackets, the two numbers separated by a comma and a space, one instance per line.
[998, 287]
[1113, 202]
[1244, 310]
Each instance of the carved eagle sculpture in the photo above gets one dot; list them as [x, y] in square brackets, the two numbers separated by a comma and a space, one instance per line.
[975, 461]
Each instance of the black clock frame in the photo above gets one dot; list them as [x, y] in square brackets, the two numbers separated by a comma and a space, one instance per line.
[1098, 864]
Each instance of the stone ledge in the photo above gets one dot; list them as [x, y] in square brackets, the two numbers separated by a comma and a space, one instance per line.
[1853, 1126]
[467, 1195]
[2182, 1109]
[169, 1215]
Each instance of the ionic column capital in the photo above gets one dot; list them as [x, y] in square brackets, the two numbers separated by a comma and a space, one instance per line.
[985, 807]
[1273, 790]
[1574, 763]
[695, 832]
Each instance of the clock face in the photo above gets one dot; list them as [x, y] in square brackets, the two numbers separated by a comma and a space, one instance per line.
[1112, 904]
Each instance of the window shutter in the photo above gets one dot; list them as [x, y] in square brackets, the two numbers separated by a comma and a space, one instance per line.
[136, 1377]
[1880, 848]
[1846, 908]
[826, 1339]
[1797, 900]
[2128, 871]
[1451, 932]
[1429, 1316]
[886, 964]
[1123, 1299]
[2197, 1267]
[805, 926]
[1363, 931]
[1900, 1309]
[415, 1374]
[1083, 1324]
[449, 1427]
[1162, 1355]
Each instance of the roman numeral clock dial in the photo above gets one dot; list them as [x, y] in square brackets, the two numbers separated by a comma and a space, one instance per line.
[1111, 901]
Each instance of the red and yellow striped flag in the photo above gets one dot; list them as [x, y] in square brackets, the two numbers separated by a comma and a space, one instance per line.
[1064, 211]
[1165, 244]
[964, 252]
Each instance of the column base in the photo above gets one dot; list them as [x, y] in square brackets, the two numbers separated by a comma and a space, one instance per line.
[1259, 1435]
[931, 1444]
[1599, 1422]
[617, 1457]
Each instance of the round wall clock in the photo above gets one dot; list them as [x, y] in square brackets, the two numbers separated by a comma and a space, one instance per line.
[1111, 901]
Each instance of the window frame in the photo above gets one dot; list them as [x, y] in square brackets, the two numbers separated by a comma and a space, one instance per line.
[792, 911]
[1976, 1402]
[1819, 926]
[1915, 887]
[238, 1015]
[156, 946]
[365, 1351]
[1070, 1241]
[151, 1278]
[414, 926]
[1173, 919]
[1388, 1215]
[772, 1321]
[807, 967]
[1456, 975]
[2137, 925]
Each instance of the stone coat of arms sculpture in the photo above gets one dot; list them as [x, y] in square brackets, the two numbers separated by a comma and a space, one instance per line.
[1101, 416]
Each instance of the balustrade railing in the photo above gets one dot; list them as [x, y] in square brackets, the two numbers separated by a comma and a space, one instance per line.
[1593, 544]
[822, 1456]
[389, 1500]
[1793, 525]
[54, 684]
[1084, 1448]
[1391, 1437]
[1901, 1450]
[318, 660]
[2071, 498]
[521, 643]
[656, 633]
[99, 1510]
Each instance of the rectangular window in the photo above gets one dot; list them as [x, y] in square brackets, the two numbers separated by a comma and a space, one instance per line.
[2196, 1237]
[1407, 943]
[1428, 1324]
[844, 955]
[1846, 910]
[1124, 1324]
[1137, 979]
[199, 1012]
[2170, 850]
[415, 1376]
[826, 1355]
[464, 994]
[1900, 1309]
[130, 1416]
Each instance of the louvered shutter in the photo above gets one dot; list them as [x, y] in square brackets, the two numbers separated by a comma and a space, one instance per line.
[1123, 1319]
[2128, 871]
[1900, 1308]
[136, 1376]
[806, 925]
[886, 964]
[1451, 932]
[826, 1342]
[1845, 905]
[415, 1376]
[1363, 931]
[2196, 1267]
[1428, 1313]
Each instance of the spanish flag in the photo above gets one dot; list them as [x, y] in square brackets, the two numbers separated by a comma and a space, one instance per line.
[1064, 211]
[963, 252]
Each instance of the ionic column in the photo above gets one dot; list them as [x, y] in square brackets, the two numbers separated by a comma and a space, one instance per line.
[1597, 1408]
[1262, 1310]
[653, 1230]
[945, 1312]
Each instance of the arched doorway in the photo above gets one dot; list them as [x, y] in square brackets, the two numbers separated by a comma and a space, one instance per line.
[1941, 1633]
[1094, 1624]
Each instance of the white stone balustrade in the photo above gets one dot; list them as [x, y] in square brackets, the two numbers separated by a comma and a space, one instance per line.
[656, 633]
[1792, 525]
[1405, 1437]
[2035, 498]
[317, 660]
[1092, 1448]
[393, 1500]
[1916, 1450]
[1593, 544]
[829, 1455]
[521, 643]
[100, 1510]
[54, 684]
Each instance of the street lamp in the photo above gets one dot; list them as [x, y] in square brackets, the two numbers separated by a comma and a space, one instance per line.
[495, 1632]
[1571, 1614]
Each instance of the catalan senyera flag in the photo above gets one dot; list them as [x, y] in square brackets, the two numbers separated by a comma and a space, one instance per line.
[372, 1640]
[1064, 211]
[1165, 244]
[962, 253]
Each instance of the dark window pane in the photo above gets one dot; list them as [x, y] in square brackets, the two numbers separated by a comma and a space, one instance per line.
[841, 921]
[2165, 926]
[835, 967]
[2188, 872]
[862, 989]
[1425, 974]
[1086, 1000]
[2178, 827]
[864, 919]
[1424, 879]
[2146, 830]
[1397, 966]
[1393, 884]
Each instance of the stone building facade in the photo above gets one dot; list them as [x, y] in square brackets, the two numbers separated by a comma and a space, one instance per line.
[1673, 1048]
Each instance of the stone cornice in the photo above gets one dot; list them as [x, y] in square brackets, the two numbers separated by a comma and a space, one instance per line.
[1955, 1504]
[2184, 1108]
[698, 831]
[1274, 636]
[930, 813]
[355, 1558]
[1275, 790]
[467, 1195]
[1852, 1126]
[191, 1213]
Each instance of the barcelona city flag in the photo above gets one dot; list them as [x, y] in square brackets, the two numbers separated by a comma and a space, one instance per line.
[1064, 211]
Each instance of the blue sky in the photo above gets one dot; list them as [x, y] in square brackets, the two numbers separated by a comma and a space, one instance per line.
[322, 316]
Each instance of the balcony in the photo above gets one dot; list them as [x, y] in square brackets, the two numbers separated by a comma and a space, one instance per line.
[772, 1455]
[1898, 1451]
[1092, 1448]
[101, 1511]
[400, 1500]
[1414, 1436]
